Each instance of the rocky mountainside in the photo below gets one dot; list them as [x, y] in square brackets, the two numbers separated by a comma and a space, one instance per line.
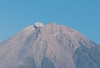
[49, 46]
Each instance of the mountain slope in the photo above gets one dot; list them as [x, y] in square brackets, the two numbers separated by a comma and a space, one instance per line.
[50, 46]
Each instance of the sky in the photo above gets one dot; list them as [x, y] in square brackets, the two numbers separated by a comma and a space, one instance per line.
[81, 15]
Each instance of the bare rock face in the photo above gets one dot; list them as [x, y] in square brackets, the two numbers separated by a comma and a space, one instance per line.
[50, 46]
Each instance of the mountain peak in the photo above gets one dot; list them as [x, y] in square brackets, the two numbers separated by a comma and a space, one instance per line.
[52, 46]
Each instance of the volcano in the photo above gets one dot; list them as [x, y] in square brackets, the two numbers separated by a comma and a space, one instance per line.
[49, 46]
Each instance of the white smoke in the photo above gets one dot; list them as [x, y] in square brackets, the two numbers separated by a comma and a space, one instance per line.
[39, 24]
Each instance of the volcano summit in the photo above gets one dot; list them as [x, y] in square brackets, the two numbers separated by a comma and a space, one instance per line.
[49, 46]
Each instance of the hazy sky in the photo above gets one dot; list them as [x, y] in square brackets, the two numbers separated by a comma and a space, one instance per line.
[81, 15]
